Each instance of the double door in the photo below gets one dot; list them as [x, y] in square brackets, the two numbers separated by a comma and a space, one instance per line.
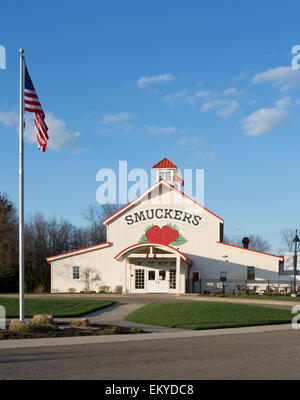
[157, 281]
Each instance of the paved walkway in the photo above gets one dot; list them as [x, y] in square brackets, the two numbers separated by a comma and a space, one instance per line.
[115, 315]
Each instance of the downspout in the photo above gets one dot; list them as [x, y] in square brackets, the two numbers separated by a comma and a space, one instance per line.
[189, 267]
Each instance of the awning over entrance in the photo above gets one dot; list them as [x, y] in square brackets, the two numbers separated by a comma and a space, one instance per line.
[148, 245]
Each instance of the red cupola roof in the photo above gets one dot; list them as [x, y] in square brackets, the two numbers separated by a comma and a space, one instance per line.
[165, 163]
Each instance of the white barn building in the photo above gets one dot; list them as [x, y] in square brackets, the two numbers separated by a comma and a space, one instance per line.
[163, 242]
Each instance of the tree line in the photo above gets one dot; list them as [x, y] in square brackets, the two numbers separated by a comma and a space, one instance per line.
[44, 237]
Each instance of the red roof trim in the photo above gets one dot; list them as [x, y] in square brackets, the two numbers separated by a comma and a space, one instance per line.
[128, 205]
[105, 244]
[194, 201]
[255, 251]
[153, 244]
[161, 180]
[165, 163]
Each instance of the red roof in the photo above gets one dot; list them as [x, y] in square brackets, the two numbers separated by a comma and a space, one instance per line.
[165, 163]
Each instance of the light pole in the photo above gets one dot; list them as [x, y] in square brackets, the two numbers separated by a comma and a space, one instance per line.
[296, 240]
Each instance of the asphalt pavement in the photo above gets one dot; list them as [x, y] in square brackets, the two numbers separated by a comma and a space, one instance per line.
[267, 355]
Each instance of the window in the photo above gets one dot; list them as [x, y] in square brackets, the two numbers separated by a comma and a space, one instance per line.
[195, 276]
[165, 175]
[223, 276]
[151, 275]
[251, 273]
[172, 280]
[139, 278]
[162, 275]
[76, 274]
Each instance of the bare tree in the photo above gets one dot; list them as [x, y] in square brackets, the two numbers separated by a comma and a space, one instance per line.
[286, 241]
[256, 242]
[95, 215]
[91, 278]
[44, 238]
[8, 245]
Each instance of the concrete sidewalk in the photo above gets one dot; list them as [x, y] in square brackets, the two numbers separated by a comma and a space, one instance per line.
[116, 314]
[174, 334]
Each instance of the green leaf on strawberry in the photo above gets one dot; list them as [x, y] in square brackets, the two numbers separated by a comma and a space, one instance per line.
[143, 239]
[173, 227]
[148, 227]
[179, 241]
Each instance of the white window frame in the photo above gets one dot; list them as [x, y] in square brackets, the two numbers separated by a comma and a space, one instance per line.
[76, 273]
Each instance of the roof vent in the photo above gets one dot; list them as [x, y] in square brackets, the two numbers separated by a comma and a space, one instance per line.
[245, 242]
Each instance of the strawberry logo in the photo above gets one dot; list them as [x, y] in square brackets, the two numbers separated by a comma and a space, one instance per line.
[168, 234]
[154, 234]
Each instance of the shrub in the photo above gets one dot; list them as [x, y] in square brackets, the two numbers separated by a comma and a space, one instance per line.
[104, 289]
[219, 292]
[80, 323]
[267, 293]
[42, 319]
[43, 328]
[72, 290]
[39, 289]
[230, 293]
[206, 292]
[110, 330]
[119, 289]
[19, 326]
[136, 330]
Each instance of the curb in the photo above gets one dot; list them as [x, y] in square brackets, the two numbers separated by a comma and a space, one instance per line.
[70, 341]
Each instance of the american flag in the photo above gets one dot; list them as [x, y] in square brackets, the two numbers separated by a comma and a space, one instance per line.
[32, 104]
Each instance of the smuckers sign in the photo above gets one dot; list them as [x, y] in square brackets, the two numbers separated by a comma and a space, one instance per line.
[168, 234]
[168, 214]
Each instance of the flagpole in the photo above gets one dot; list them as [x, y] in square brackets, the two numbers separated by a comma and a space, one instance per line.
[21, 190]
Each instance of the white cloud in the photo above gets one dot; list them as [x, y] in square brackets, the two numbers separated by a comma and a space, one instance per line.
[283, 77]
[263, 120]
[197, 96]
[284, 102]
[209, 105]
[9, 118]
[170, 98]
[228, 110]
[145, 81]
[223, 107]
[60, 136]
[184, 97]
[156, 130]
[230, 92]
[115, 118]
[187, 141]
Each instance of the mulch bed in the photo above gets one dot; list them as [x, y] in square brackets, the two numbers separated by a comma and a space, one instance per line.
[64, 329]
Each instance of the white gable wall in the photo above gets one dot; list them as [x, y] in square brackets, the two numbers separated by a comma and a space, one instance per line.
[201, 230]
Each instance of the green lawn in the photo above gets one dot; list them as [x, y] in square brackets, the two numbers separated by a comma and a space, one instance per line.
[55, 307]
[264, 297]
[208, 315]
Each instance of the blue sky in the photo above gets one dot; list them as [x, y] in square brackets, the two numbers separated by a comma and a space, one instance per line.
[206, 84]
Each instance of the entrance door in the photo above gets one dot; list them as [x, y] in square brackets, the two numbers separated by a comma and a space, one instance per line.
[157, 281]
